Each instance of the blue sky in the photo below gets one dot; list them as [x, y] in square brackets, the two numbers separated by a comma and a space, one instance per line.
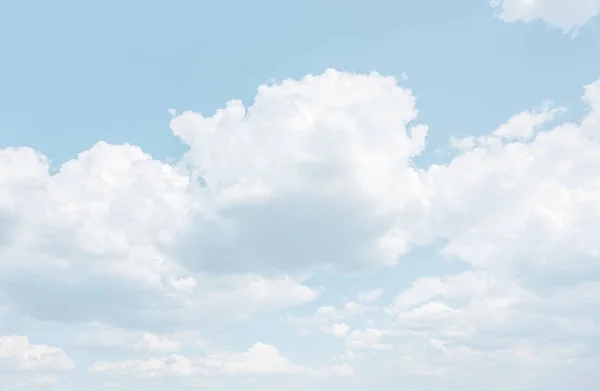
[110, 71]
[421, 208]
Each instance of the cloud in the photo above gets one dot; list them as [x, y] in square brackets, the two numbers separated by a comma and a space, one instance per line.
[311, 174]
[18, 354]
[370, 296]
[517, 206]
[174, 365]
[316, 177]
[326, 318]
[339, 329]
[260, 359]
[457, 288]
[566, 15]
[510, 205]
[101, 336]
[119, 232]
[368, 339]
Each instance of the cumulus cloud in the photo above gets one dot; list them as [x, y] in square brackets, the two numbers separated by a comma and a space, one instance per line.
[18, 354]
[509, 204]
[316, 176]
[311, 173]
[566, 15]
[518, 207]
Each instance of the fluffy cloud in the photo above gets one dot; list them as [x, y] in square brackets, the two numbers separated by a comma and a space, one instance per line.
[528, 201]
[338, 149]
[311, 174]
[564, 14]
[317, 176]
[18, 354]
[518, 207]
[339, 329]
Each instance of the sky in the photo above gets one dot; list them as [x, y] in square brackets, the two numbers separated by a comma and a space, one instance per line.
[345, 196]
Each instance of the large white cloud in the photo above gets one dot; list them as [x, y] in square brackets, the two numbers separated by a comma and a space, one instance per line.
[93, 234]
[519, 206]
[314, 172]
[18, 354]
[523, 198]
[564, 14]
[316, 175]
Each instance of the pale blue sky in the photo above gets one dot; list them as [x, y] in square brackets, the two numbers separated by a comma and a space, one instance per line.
[85, 247]
[75, 72]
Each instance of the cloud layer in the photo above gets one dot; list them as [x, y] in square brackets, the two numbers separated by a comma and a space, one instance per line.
[316, 177]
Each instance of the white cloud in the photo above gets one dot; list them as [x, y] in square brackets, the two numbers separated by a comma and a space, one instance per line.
[152, 342]
[457, 288]
[309, 175]
[174, 365]
[94, 200]
[523, 126]
[567, 15]
[368, 339]
[325, 318]
[510, 205]
[316, 176]
[342, 370]
[591, 97]
[459, 308]
[519, 206]
[116, 230]
[18, 354]
[260, 359]
[339, 329]
[100, 336]
[236, 297]
[370, 296]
